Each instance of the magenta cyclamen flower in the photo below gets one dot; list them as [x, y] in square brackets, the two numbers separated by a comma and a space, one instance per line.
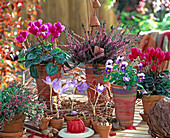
[48, 81]
[83, 87]
[20, 39]
[123, 66]
[141, 76]
[24, 34]
[59, 26]
[57, 87]
[109, 62]
[100, 88]
[33, 29]
[119, 60]
[38, 23]
[108, 69]
[126, 78]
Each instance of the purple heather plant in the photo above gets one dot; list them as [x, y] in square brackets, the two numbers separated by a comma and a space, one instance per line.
[17, 99]
[113, 44]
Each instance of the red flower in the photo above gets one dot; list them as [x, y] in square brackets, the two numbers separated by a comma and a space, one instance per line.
[167, 55]
[130, 127]
[153, 67]
[131, 57]
[112, 133]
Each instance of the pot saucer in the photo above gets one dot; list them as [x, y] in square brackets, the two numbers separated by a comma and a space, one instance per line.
[63, 133]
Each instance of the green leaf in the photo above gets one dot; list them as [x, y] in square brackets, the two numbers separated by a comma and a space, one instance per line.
[67, 65]
[111, 80]
[115, 67]
[31, 56]
[34, 72]
[28, 63]
[129, 87]
[107, 78]
[50, 69]
[55, 51]
[21, 59]
[45, 57]
[61, 58]
[30, 49]
[148, 85]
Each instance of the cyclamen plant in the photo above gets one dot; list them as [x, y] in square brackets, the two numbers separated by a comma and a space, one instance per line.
[99, 48]
[42, 52]
[16, 99]
[122, 74]
[156, 82]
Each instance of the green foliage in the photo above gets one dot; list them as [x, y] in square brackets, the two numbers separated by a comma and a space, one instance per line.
[157, 83]
[43, 54]
[17, 99]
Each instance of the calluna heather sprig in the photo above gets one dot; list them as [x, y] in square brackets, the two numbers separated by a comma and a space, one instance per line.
[100, 47]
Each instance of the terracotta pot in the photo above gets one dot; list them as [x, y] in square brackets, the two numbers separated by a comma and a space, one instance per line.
[104, 130]
[149, 102]
[57, 123]
[87, 122]
[51, 114]
[44, 123]
[94, 124]
[82, 118]
[94, 79]
[12, 135]
[15, 125]
[68, 117]
[43, 88]
[124, 104]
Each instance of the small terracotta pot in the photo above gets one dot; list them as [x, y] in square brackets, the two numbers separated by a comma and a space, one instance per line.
[94, 124]
[68, 117]
[15, 125]
[12, 135]
[82, 118]
[57, 123]
[51, 114]
[104, 130]
[44, 123]
[87, 122]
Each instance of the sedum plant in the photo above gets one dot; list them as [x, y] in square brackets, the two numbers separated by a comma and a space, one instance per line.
[16, 99]
[42, 52]
[98, 48]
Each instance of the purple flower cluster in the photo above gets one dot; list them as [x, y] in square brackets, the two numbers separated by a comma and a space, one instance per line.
[41, 30]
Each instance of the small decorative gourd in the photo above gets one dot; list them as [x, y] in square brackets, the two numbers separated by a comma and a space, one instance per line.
[76, 126]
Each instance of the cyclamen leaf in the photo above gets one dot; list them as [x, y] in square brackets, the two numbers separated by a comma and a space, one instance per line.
[50, 69]
[55, 51]
[61, 58]
[34, 72]
[28, 63]
[31, 56]
[45, 57]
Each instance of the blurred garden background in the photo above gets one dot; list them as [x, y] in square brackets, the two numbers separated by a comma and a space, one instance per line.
[145, 15]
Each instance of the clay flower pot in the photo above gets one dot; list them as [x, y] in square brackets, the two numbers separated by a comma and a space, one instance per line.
[12, 135]
[104, 130]
[57, 123]
[94, 124]
[15, 125]
[68, 117]
[87, 122]
[44, 123]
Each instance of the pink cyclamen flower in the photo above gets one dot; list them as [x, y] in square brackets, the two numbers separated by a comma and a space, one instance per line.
[20, 39]
[24, 34]
[153, 67]
[59, 27]
[38, 23]
[33, 29]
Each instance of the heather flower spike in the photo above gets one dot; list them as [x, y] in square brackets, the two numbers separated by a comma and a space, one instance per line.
[123, 66]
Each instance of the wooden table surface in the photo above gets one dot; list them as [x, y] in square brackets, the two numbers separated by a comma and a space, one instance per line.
[141, 126]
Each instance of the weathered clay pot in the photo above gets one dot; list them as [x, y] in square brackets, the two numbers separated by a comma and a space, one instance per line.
[15, 125]
[44, 124]
[68, 117]
[57, 123]
[94, 124]
[12, 135]
[104, 130]
[87, 122]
